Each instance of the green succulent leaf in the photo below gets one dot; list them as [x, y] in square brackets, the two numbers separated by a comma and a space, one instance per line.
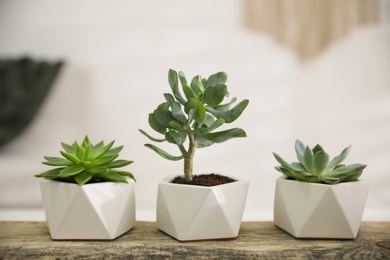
[127, 174]
[300, 149]
[71, 171]
[97, 169]
[155, 125]
[219, 137]
[219, 78]
[104, 160]
[196, 105]
[103, 151]
[164, 154]
[83, 178]
[68, 148]
[285, 164]
[114, 151]
[317, 149]
[173, 82]
[55, 161]
[50, 174]
[197, 86]
[225, 107]
[308, 160]
[350, 169]
[330, 180]
[159, 140]
[338, 159]
[163, 117]
[70, 157]
[119, 163]
[321, 160]
[229, 115]
[175, 137]
[204, 130]
[113, 176]
[214, 95]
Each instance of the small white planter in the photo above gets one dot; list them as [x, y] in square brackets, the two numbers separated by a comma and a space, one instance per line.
[313, 210]
[101, 211]
[188, 212]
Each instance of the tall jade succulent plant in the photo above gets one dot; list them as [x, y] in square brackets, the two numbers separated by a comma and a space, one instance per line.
[87, 163]
[191, 119]
[314, 166]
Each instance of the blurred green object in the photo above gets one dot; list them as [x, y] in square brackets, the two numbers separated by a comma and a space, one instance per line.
[24, 84]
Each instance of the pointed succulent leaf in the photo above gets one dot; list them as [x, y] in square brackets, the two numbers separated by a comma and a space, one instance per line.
[126, 173]
[321, 160]
[164, 154]
[68, 148]
[317, 149]
[352, 177]
[119, 163]
[312, 178]
[350, 169]
[216, 79]
[230, 115]
[104, 160]
[104, 150]
[188, 91]
[70, 157]
[156, 126]
[330, 180]
[219, 137]
[308, 160]
[214, 95]
[114, 151]
[175, 137]
[173, 82]
[55, 161]
[150, 137]
[113, 176]
[97, 169]
[96, 149]
[83, 178]
[298, 166]
[71, 171]
[292, 174]
[50, 174]
[338, 159]
[285, 164]
[299, 149]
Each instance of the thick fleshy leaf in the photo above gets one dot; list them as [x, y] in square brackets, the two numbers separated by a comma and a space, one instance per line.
[50, 174]
[163, 117]
[204, 130]
[104, 160]
[113, 176]
[214, 95]
[174, 83]
[312, 178]
[68, 148]
[177, 113]
[330, 180]
[225, 107]
[197, 106]
[299, 150]
[317, 149]
[216, 79]
[352, 177]
[114, 151]
[308, 160]
[97, 149]
[104, 150]
[197, 86]
[55, 161]
[202, 142]
[155, 125]
[150, 137]
[126, 173]
[70, 157]
[292, 174]
[176, 137]
[71, 171]
[164, 154]
[285, 164]
[350, 169]
[177, 126]
[321, 160]
[188, 91]
[338, 159]
[219, 137]
[229, 115]
[119, 163]
[97, 169]
[83, 178]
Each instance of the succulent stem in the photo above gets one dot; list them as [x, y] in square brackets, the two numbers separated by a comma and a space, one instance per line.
[189, 158]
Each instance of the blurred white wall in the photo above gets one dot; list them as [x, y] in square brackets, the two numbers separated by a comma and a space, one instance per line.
[117, 57]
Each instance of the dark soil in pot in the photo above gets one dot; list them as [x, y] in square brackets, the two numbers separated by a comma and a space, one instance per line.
[207, 180]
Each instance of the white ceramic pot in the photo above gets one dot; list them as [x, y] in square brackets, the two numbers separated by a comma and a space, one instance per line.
[314, 210]
[99, 211]
[188, 212]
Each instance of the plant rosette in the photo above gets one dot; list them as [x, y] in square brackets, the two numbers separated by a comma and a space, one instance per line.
[192, 212]
[325, 200]
[189, 121]
[91, 202]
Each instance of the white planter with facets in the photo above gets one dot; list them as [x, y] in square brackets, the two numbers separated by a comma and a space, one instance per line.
[188, 212]
[98, 211]
[314, 210]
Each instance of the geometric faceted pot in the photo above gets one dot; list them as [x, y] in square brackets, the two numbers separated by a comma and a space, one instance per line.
[315, 210]
[97, 211]
[189, 212]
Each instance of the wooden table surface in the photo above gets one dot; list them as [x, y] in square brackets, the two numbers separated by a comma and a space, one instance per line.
[257, 240]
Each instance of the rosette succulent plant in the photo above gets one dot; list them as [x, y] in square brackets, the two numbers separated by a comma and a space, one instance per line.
[194, 116]
[314, 166]
[87, 163]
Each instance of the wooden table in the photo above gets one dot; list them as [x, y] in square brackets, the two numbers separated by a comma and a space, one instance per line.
[257, 240]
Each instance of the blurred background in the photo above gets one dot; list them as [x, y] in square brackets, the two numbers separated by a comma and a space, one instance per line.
[318, 71]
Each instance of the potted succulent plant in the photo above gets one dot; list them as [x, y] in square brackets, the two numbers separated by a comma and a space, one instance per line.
[85, 196]
[318, 197]
[206, 206]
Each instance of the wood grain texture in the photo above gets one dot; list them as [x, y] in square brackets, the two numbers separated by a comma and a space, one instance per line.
[29, 240]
